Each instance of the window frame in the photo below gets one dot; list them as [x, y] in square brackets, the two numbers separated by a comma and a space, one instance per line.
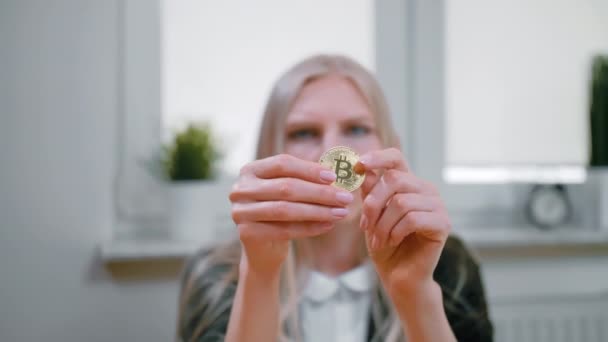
[409, 66]
[470, 205]
[140, 195]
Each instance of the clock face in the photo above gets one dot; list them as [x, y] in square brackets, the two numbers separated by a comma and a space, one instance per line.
[549, 206]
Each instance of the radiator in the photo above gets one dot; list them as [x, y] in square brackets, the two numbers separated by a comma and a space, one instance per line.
[583, 320]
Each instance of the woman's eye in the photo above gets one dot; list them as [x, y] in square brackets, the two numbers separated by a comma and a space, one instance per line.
[358, 130]
[302, 134]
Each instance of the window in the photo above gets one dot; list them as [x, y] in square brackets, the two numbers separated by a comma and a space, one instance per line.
[520, 85]
[407, 44]
[171, 73]
[220, 59]
[449, 42]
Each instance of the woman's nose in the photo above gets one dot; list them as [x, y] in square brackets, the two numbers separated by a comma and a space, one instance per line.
[332, 139]
[327, 141]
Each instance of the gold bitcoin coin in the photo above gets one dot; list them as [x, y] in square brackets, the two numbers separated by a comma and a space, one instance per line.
[341, 160]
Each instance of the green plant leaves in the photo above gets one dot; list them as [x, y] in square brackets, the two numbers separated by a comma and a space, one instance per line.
[192, 154]
[599, 112]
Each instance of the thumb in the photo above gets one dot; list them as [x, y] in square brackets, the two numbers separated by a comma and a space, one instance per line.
[371, 178]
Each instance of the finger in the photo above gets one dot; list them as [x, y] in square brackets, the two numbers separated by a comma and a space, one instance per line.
[292, 190]
[431, 225]
[272, 231]
[371, 178]
[285, 211]
[390, 158]
[284, 165]
[399, 206]
[391, 182]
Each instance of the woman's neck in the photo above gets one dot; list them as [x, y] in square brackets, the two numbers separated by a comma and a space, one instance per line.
[338, 251]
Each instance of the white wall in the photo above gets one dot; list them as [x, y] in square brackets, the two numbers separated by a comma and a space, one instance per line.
[59, 98]
[220, 58]
[517, 79]
[58, 137]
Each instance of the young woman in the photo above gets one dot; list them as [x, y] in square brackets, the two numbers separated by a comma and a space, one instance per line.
[316, 263]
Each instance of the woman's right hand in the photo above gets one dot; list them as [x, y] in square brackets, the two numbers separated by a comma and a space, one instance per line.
[280, 198]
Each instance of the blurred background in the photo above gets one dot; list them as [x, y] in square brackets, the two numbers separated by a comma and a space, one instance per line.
[502, 103]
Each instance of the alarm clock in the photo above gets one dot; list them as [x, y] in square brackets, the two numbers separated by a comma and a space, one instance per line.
[549, 206]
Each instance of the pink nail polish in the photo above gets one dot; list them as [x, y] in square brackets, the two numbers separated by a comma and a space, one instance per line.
[344, 197]
[339, 212]
[327, 176]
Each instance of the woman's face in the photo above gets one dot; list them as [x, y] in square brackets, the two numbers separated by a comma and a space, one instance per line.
[328, 112]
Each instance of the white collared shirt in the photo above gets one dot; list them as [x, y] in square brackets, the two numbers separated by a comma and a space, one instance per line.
[337, 308]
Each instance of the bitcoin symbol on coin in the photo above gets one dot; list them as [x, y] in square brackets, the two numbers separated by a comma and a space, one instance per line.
[341, 159]
[343, 165]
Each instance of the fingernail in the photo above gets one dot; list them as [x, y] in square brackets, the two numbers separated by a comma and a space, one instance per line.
[374, 242]
[363, 222]
[359, 168]
[344, 197]
[339, 212]
[328, 176]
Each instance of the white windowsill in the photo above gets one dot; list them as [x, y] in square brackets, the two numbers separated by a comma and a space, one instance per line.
[548, 174]
[507, 237]
[134, 249]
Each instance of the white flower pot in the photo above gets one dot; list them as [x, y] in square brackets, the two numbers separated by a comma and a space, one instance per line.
[598, 178]
[196, 208]
[603, 201]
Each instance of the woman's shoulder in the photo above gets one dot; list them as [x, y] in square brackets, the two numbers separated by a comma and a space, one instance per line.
[456, 256]
[208, 286]
[459, 275]
[208, 269]
[212, 263]
[458, 270]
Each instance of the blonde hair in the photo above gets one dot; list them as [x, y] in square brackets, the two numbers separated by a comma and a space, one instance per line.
[271, 141]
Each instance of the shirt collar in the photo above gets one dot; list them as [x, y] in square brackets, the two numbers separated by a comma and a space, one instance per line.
[321, 287]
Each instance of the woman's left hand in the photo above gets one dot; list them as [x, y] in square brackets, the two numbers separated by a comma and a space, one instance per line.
[405, 221]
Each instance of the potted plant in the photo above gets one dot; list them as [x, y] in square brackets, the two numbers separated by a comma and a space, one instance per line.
[599, 113]
[598, 125]
[190, 166]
